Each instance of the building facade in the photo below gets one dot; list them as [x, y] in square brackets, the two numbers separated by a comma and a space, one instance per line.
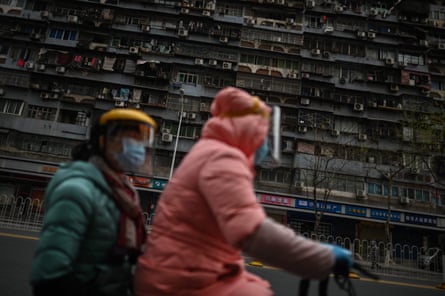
[361, 86]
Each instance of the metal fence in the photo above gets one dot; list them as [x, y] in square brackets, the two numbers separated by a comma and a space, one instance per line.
[395, 259]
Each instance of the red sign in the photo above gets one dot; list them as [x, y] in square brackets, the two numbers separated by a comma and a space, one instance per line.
[276, 200]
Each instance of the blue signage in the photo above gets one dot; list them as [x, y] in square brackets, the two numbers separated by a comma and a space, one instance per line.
[420, 219]
[328, 207]
[383, 214]
[355, 211]
[159, 184]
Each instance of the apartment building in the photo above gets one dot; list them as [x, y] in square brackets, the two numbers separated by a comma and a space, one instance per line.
[360, 83]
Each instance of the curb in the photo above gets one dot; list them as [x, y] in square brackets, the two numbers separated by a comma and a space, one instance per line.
[441, 286]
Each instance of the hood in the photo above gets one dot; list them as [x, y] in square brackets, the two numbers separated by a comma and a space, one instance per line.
[77, 169]
[234, 124]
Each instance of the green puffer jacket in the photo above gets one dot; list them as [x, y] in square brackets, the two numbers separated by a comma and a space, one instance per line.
[80, 230]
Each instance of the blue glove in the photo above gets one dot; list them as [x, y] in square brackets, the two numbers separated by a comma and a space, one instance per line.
[343, 260]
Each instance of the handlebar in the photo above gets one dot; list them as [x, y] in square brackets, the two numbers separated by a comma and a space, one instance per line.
[343, 282]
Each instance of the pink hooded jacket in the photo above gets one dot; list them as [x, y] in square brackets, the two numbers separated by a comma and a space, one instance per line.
[209, 209]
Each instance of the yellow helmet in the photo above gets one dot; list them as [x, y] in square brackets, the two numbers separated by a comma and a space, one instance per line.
[123, 114]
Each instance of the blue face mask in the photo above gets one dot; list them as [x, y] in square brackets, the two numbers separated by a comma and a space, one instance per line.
[261, 152]
[132, 156]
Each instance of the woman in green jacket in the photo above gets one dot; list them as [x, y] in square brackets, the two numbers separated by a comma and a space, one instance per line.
[93, 228]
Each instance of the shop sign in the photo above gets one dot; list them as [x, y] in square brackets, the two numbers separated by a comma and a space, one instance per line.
[420, 219]
[140, 181]
[355, 211]
[276, 200]
[48, 169]
[159, 184]
[383, 214]
[328, 207]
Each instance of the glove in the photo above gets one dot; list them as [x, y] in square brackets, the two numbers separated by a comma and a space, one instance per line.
[343, 260]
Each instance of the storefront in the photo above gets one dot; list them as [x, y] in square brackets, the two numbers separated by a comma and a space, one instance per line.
[355, 221]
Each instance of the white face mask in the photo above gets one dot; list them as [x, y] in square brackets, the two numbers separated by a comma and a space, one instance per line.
[132, 156]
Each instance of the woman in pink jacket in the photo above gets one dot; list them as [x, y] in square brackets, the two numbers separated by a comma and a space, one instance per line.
[208, 214]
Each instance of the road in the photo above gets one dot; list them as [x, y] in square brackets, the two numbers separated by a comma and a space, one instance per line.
[17, 248]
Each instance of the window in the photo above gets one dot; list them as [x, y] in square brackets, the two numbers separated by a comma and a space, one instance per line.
[422, 195]
[39, 112]
[375, 188]
[277, 176]
[187, 78]
[9, 106]
[62, 34]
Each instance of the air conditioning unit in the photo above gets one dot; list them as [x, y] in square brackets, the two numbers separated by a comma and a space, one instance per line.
[335, 132]
[293, 75]
[315, 52]
[310, 3]
[36, 36]
[389, 61]
[394, 87]
[119, 103]
[183, 32]
[362, 137]
[54, 96]
[199, 61]
[44, 14]
[185, 10]
[302, 129]
[358, 107]
[281, 2]
[305, 101]
[371, 159]
[361, 34]
[373, 12]
[146, 28]
[305, 75]
[371, 35]
[360, 193]
[213, 62]
[133, 50]
[184, 114]
[44, 95]
[250, 21]
[224, 39]
[166, 131]
[206, 13]
[339, 8]
[441, 46]
[167, 137]
[328, 29]
[404, 200]
[227, 65]
[423, 42]
[191, 116]
[29, 65]
[74, 19]
[60, 69]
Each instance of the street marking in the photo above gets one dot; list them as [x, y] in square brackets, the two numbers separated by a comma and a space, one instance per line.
[372, 280]
[18, 236]
[399, 283]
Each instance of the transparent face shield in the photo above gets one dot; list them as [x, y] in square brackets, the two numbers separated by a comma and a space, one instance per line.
[273, 158]
[130, 147]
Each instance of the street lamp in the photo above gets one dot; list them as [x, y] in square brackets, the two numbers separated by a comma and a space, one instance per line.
[181, 92]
